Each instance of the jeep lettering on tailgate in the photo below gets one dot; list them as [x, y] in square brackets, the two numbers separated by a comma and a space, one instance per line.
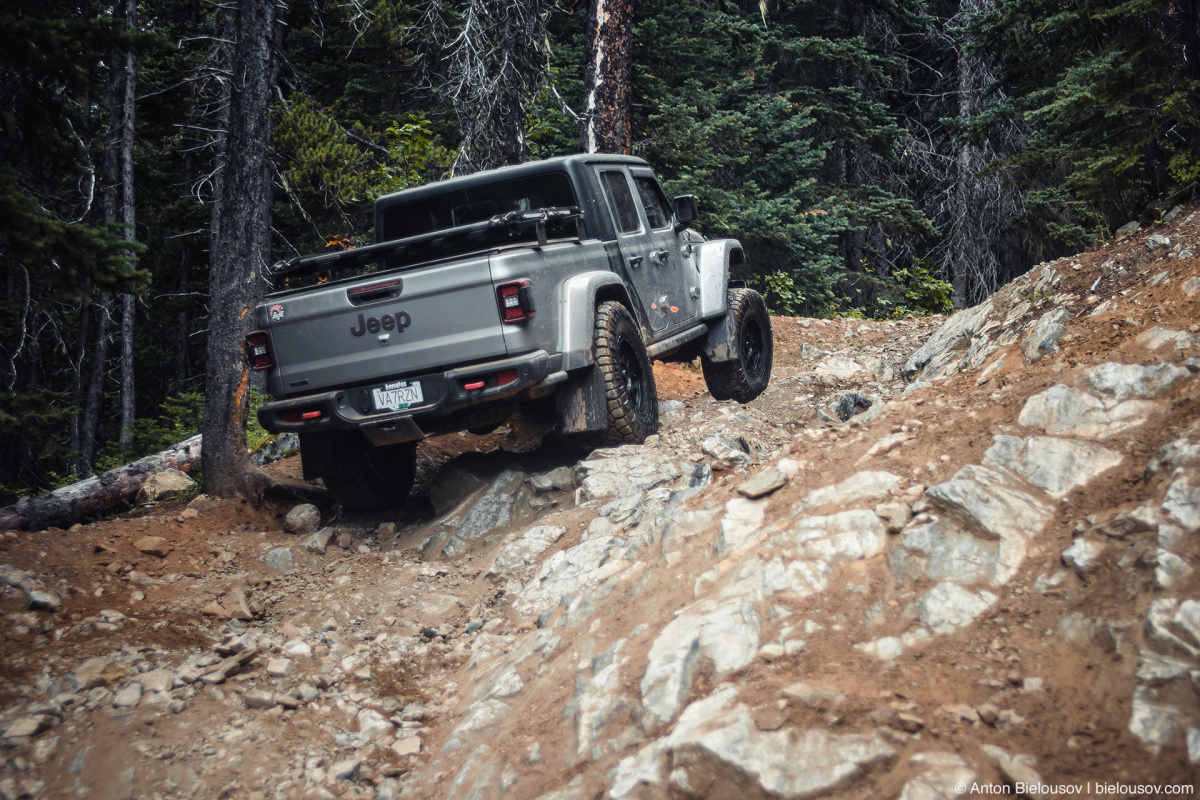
[388, 322]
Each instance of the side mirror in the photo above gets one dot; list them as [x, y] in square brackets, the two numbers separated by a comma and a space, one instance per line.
[685, 210]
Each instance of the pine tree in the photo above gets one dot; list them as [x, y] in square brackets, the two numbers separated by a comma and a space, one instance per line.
[1111, 93]
[54, 249]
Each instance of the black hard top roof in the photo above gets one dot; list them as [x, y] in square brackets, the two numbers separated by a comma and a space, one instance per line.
[529, 168]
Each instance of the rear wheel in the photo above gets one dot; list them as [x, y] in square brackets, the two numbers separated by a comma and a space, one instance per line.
[746, 376]
[361, 476]
[630, 397]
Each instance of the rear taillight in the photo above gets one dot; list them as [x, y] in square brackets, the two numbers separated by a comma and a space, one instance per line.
[516, 301]
[258, 350]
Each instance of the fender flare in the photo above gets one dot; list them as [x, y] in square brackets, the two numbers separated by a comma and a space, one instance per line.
[716, 257]
[577, 313]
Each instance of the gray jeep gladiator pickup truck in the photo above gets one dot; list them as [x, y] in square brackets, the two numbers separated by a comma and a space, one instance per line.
[553, 282]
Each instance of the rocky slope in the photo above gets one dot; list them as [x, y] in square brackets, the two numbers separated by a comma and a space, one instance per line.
[935, 552]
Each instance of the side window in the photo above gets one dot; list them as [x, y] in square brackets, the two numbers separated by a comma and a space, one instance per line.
[654, 201]
[616, 189]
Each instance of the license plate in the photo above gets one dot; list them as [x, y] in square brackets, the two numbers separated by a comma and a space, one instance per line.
[398, 396]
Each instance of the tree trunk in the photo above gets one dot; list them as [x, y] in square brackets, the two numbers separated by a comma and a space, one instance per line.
[606, 84]
[80, 467]
[240, 249]
[95, 392]
[100, 493]
[129, 219]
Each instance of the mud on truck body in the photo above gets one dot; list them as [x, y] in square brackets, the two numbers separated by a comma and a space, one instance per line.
[552, 283]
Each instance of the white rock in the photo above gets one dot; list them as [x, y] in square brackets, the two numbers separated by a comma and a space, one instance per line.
[298, 648]
[1054, 465]
[569, 572]
[943, 549]
[507, 685]
[163, 485]
[1156, 669]
[407, 746]
[717, 750]
[1123, 381]
[279, 667]
[1165, 614]
[848, 536]
[304, 518]
[988, 500]
[743, 517]
[1169, 569]
[319, 541]
[941, 774]
[1046, 333]
[838, 367]
[131, 695]
[480, 716]
[1182, 504]
[526, 549]
[941, 354]
[1064, 410]
[259, 698]
[1156, 337]
[157, 680]
[1154, 722]
[887, 444]
[345, 770]
[1082, 555]
[948, 606]
[619, 471]
[727, 637]
[754, 579]
[868, 485]
[598, 701]
[886, 648]
[373, 724]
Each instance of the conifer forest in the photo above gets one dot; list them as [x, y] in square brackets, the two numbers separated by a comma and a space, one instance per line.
[878, 158]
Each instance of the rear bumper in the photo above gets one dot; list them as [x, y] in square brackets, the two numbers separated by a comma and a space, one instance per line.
[445, 393]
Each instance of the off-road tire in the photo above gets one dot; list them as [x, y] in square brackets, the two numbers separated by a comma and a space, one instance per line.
[746, 376]
[367, 478]
[629, 393]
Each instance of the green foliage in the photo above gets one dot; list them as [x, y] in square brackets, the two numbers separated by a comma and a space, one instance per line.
[179, 417]
[1110, 93]
[316, 155]
[924, 293]
[775, 118]
[779, 290]
[415, 153]
[31, 425]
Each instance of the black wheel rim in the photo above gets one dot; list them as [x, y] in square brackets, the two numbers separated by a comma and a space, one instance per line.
[753, 353]
[633, 378]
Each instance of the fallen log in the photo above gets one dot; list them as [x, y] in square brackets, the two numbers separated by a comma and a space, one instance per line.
[99, 493]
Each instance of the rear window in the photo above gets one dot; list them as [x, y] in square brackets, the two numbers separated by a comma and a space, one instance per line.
[450, 211]
[479, 204]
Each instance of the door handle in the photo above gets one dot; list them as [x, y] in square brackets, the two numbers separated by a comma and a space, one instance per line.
[635, 261]
[659, 256]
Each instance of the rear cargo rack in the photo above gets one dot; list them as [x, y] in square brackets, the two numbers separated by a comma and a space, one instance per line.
[514, 221]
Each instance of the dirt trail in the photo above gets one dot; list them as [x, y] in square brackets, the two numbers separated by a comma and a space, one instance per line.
[364, 651]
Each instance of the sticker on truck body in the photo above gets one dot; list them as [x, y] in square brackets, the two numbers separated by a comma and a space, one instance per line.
[398, 395]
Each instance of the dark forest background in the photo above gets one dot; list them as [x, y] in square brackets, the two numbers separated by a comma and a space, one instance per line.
[876, 158]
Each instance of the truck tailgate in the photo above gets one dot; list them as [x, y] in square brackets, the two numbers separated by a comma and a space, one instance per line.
[374, 328]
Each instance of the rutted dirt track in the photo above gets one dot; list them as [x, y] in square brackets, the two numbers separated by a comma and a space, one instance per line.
[996, 584]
